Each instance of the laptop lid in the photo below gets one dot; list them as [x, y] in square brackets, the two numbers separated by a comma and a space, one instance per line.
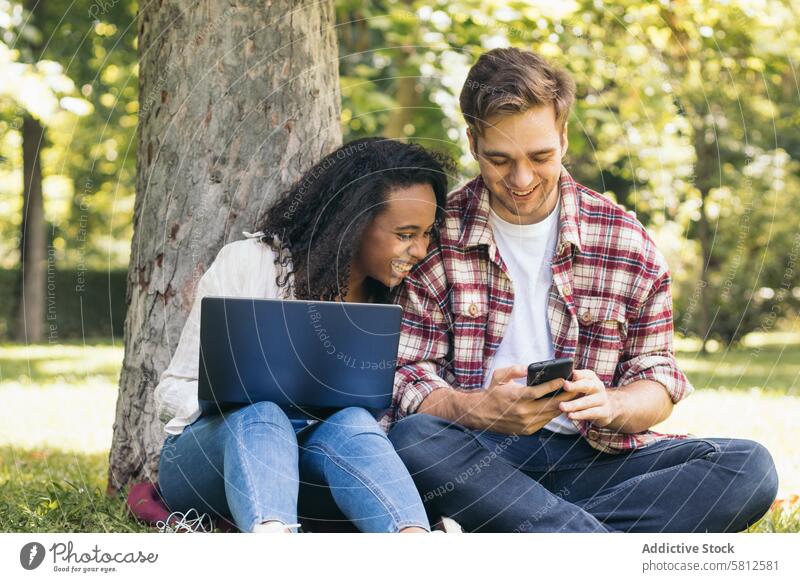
[309, 357]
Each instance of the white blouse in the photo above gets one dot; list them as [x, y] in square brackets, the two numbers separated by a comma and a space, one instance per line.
[244, 268]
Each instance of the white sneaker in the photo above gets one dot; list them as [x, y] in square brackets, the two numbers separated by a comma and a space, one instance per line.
[274, 527]
[189, 522]
[446, 525]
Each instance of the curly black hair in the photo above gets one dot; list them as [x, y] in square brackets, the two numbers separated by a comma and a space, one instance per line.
[321, 218]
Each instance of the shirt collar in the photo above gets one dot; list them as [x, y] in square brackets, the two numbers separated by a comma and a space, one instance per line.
[570, 220]
[477, 230]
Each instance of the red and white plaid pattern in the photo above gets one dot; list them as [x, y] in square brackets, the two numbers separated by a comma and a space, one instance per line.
[610, 305]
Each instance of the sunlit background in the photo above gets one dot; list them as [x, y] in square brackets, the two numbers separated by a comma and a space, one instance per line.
[687, 113]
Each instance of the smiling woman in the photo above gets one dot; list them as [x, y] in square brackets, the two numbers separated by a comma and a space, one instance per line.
[395, 240]
[349, 230]
[355, 224]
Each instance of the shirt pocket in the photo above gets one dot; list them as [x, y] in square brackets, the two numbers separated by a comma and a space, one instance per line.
[469, 303]
[601, 339]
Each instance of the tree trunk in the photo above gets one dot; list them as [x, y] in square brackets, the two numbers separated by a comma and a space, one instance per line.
[406, 96]
[30, 312]
[695, 107]
[30, 308]
[704, 234]
[236, 101]
[407, 100]
[406, 93]
[707, 157]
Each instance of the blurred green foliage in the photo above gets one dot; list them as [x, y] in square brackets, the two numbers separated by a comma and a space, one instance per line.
[687, 114]
[83, 304]
[86, 64]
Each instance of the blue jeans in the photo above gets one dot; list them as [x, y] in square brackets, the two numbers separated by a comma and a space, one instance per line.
[252, 464]
[549, 482]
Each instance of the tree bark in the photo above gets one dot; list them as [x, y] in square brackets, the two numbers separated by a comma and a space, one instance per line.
[236, 101]
[30, 312]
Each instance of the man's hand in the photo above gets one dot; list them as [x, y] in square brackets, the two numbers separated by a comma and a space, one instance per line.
[593, 402]
[506, 406]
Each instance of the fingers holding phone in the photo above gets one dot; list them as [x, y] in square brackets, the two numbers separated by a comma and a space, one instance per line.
[552, 390]
[547, 378]
[592, 400]
[508, 374]
[509, 406]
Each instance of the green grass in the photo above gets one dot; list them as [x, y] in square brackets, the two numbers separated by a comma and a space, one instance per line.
[783, 518]
[55, 429]
[59, 396]
[764, 363]
[51, 491]
[73, 364]
[58, 410]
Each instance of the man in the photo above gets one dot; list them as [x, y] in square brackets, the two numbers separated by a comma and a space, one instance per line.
[532, 266]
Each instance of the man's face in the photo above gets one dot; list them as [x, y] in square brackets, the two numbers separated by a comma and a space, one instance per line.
[520, 160]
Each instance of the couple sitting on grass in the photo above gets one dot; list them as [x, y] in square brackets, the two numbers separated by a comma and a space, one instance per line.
[521, 264]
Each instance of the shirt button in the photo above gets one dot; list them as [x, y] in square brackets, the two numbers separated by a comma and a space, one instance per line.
[567, 290]
[593, 434]
[473, 309]
[586, 317]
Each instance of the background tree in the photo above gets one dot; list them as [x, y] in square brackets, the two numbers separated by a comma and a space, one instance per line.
[35, 94]
[30, 297]
[235, 102]
[57, 67]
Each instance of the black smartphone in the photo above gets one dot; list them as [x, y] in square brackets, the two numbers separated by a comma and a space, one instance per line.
[541, 372]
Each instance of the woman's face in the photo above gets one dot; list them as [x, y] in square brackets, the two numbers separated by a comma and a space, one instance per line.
[398, 237]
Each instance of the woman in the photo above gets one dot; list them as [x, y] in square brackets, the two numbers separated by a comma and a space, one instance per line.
[349, 230]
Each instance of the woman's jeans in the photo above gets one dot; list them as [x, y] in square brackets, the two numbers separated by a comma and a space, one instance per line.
[550, 482]
[252, 464]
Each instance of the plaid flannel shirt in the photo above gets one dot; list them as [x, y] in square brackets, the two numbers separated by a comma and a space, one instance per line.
[610, 306]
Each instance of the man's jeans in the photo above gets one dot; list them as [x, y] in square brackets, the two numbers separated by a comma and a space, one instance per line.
[549, 482]
[251, 465]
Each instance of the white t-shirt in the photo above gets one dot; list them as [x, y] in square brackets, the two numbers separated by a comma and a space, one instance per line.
[527, 251]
